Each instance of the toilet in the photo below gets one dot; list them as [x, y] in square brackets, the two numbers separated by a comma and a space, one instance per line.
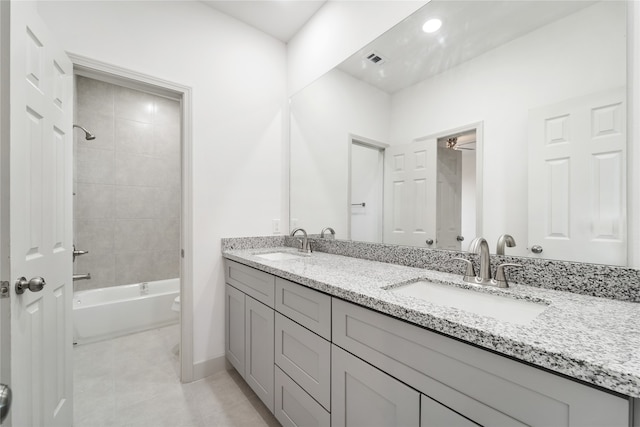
[176, 304]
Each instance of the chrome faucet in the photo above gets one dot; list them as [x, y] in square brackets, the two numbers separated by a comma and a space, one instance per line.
[505, 239]
[304, 243]
[330, 230]
[480, 246]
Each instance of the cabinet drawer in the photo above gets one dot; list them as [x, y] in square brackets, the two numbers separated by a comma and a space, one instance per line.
[305, 357]
[255, 283]
[294, 407]
[482, 386]
[309, 308]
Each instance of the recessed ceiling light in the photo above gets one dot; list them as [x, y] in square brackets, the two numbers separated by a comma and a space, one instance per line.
[432, 25]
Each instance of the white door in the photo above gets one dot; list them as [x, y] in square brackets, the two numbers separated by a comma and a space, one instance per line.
[449, 202]
[40, 222]
[410, 194]
[577, 176]
[366, 193]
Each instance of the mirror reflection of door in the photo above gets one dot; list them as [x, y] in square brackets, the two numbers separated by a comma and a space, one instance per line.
[367, 167]
[430, 191]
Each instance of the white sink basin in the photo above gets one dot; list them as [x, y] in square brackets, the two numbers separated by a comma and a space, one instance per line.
[279, 256]
[502, 308]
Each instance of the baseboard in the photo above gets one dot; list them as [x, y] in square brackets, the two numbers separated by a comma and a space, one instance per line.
[208, 367]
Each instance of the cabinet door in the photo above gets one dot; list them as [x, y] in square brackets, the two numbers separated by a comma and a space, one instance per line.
[234, 328]
[433, 414]
[363, 396]
[259, 336]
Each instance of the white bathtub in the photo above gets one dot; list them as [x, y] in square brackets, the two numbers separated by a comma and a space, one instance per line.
[104, 313]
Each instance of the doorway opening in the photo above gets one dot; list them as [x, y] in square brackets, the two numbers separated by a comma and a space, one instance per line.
[139, 223]
[366, 177]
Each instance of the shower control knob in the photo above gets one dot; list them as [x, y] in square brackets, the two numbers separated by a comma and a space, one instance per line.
[34, 285]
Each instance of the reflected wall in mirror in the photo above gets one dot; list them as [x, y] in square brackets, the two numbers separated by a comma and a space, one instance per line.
[539, 89]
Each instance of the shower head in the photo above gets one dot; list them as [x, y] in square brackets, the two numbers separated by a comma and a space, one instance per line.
[87, 135]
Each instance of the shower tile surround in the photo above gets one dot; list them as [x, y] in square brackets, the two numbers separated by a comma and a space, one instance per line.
[126, 185]
[591, 339]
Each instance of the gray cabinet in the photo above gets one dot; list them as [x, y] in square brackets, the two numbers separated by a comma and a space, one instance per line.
[294, 407]
[484, 387]
[249, 340]
[363, 396]
[305, 306]
[255, 283]
[259, 324]
[234, 328]
[305, 357]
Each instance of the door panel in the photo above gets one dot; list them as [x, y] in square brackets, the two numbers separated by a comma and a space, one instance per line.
[41, 82]
[410, 193]
[577, 190]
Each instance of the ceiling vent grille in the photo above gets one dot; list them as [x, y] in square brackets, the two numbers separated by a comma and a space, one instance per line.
[375, 58]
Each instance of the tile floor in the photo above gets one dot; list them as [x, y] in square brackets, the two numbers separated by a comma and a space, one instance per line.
[133, 381]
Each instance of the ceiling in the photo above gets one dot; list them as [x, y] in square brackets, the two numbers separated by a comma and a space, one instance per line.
[279, 18]
[469, 29]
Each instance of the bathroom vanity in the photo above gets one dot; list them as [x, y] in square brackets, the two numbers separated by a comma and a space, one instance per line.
[324, 340]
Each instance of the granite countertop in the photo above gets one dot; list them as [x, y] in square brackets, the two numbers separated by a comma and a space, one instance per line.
[592, 339]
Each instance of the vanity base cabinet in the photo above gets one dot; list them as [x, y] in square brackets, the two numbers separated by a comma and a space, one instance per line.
[294, 407]
[363, 396]
[484, 387]
[249, 342]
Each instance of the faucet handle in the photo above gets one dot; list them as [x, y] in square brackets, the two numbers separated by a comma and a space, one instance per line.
[470, 273]
[501, 277]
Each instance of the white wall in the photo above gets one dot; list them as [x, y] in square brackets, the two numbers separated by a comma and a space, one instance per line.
[238, 77]
[583, 53]
[338, 30]
[322, 118]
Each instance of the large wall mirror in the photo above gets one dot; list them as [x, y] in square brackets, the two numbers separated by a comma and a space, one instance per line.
[510, 118]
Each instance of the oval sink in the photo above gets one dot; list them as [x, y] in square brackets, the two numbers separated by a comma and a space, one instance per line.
[279, 256]
[499, 307]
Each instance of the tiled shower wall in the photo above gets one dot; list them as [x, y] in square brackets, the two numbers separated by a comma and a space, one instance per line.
[126, 185]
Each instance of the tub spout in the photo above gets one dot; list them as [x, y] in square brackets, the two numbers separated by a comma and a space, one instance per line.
[81, 276]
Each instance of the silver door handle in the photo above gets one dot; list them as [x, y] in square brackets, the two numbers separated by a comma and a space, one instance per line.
[429, 241]
[536, 249]
[34, 285]
[86, 276]
[460, 238]
[5, 401]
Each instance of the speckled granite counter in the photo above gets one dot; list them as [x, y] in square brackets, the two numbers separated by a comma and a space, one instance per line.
[595, 340]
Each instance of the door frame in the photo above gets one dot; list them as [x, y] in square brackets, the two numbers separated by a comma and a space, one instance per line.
[374, 145]
[5, 312]
[479, 128]
[134, 80]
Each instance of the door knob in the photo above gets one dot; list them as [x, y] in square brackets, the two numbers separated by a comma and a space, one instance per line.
[34, 285]
[536, 249]
[429, 241]
[460, 238]
[5, 401]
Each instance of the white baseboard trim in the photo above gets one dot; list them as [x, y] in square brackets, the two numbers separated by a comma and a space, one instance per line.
[208, 367]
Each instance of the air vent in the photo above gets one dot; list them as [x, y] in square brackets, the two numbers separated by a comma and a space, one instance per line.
[375, 58]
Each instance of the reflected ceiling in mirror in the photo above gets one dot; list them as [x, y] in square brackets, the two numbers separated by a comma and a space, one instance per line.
[543, 83]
